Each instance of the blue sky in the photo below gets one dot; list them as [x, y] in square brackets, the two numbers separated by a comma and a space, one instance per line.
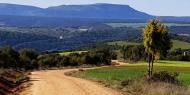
[154, 7]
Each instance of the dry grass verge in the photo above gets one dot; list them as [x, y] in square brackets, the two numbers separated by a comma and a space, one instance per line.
[141, 87]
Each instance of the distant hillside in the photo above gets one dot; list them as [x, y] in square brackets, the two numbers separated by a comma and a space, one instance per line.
[19, 10]
[108, 11]
[36, 21]
[74, 15]
[43, 39]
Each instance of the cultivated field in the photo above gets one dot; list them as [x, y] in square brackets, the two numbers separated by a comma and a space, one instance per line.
[129, 78]
[176, 44]
[180, 44]
[122, 43]
[71, 52]
[131, 71]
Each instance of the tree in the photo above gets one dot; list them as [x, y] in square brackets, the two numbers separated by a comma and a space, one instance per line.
[133, 53]
[9, 58]
[27, 58]
[156, 42]
[30, 53]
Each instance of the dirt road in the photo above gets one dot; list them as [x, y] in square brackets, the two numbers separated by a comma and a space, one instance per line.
[119, 62]
[55, 82]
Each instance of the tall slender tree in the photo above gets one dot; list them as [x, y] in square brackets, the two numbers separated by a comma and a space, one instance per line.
[156, 42]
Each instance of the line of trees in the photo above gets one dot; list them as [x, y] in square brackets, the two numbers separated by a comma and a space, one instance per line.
[29, 59]
[96, 57]
[133, 53]
[179, 55]
[10, 58]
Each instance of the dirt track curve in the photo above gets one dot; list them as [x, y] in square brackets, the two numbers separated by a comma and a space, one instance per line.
[55, 82]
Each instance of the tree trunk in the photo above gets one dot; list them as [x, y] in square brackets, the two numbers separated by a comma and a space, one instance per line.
[152, 64]
[149, 66]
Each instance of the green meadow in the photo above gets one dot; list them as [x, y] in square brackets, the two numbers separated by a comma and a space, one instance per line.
[132, 71]
[70, 52]
[122, 43]
[180, 44]
[176, 44]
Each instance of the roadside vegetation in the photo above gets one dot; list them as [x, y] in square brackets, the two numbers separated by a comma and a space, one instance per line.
[29, 59]
[139, 69]
[131, 79]
[16, 65]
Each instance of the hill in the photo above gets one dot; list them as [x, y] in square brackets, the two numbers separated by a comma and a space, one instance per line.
[43, 39]
[108, 11]
[62, 38]
[74, 15]
[19, 10]
[68, 15]
[105, 11]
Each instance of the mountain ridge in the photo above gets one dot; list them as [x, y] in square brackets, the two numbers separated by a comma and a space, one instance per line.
[103, 10]
[74, 15]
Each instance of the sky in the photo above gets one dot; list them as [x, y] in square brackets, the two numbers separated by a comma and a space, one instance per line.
[153, 7]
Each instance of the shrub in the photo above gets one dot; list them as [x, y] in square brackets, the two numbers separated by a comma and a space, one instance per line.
[9, 58]
[164, 76]
[141, 87]
[126, 82]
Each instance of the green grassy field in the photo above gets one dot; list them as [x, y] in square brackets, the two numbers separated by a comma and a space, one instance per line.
[123, 43]
[137, 70]
[176, 44]
[70, 52]
[180, 44]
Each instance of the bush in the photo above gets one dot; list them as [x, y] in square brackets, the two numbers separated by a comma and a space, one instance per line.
[164, 76]
[28, 59]
[126, 82]
[9, 58]
[142, 87]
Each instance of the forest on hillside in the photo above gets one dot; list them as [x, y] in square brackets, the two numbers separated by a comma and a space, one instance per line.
[68, 38]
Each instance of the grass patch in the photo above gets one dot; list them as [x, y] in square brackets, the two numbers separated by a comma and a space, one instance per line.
[180, 44]
[70, 52]
[122, 43]
[129, 80]
[111, 73]
[176, 44]
[132, 71]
